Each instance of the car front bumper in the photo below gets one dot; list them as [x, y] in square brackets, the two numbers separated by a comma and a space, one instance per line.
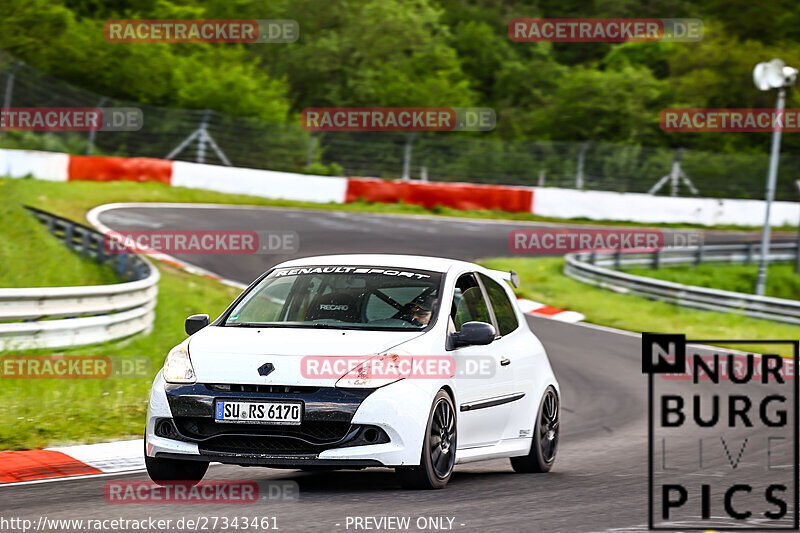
[333, 433]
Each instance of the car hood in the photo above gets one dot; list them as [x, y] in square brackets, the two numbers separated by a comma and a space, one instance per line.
[234, 354]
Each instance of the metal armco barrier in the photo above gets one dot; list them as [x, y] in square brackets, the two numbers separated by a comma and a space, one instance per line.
[592, 268]
[85, 315]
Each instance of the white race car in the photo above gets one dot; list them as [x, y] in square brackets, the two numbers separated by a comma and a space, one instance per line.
[353, 361]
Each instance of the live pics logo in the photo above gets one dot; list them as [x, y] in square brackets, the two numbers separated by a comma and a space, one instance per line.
[722, 434]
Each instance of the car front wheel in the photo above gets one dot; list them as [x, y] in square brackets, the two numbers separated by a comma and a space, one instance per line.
[438, 448]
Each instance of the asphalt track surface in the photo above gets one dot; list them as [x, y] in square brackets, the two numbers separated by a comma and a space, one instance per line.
[600, 478]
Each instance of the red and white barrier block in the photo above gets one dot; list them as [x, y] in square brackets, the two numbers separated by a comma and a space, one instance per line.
[543, 201]
[539, 309]
[264, 183]
[68, 461]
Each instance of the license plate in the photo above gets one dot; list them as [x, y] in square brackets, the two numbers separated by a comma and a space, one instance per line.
[259, 412]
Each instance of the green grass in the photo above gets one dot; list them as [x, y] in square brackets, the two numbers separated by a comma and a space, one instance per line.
[782, 282]
[22, 237]
[542, 280]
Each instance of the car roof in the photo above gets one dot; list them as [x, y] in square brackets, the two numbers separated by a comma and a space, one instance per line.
[420, 262]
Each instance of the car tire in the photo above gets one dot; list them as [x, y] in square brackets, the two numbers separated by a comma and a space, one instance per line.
[438, 448]
[170, 471]
[544, 443]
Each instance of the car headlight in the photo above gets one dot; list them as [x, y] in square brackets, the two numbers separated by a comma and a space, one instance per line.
[178, 366]
[378, 371]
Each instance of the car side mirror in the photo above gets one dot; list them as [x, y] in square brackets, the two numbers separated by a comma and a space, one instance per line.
[195, 323]
[473, 334]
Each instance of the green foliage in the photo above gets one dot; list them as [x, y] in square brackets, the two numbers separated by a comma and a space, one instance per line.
[70, 45]
[450, 53]
[321, 169]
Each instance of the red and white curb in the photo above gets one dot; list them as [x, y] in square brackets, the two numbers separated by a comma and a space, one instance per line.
[531, 307]
[68, 461]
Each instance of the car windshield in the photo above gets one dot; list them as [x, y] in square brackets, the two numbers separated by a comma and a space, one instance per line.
[341, 297]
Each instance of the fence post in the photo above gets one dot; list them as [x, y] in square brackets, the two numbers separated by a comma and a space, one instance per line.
[101, 253]
[93, 133]
[85, 242]
[541, 178]
[797, 251]
[656, 260]
[749, 257]
[310, 150]
[202, 140]
[407, 157]
[68, 231]
[618, 259]
[122, 264]
[9, 88]
[581, 157]
[698, 255]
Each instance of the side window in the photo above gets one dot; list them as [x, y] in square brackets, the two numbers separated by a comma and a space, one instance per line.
[468, 303]
[503, 308]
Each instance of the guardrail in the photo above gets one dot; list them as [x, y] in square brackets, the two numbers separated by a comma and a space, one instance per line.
[592, 268]
[85, 315]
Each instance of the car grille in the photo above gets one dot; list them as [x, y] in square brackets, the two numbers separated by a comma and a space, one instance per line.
[258, 445]
[197, 428]
[309, 438]
[272, 389]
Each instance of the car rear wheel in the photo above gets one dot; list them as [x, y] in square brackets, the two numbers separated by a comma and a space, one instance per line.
[170, 471]
[438, 448]
[545, 437]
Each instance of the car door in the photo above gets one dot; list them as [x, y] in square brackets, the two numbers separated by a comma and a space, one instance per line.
[483, 380]
[514, 350]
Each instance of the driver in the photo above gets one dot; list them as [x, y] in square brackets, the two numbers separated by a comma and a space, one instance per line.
[419, 310]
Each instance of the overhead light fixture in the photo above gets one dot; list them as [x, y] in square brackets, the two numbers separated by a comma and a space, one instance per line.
[774, 75]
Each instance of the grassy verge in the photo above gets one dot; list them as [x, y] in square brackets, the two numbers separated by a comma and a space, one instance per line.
[23, 238]
[543, 280]
[782, 282]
